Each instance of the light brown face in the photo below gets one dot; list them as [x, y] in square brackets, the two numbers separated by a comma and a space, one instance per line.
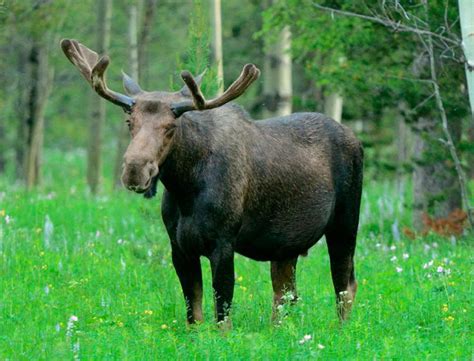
[152, 114]
[151, 124]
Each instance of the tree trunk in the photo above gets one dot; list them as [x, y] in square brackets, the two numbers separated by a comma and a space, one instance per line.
[333, 106]
[217, 43]
[37, 97]
[277, 86]
[133, 64]
[23, 87]
[435, 182]
[403, 145]
[466, 13]
[470, 155]
[94, 158]
[149, 14]
[3, 145]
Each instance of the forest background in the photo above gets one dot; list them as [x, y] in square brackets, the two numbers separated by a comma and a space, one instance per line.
[397, 72]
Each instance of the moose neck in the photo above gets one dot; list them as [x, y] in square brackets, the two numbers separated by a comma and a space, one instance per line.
[189, 148]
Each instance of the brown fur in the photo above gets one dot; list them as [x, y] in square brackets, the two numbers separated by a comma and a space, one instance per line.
[268, 189]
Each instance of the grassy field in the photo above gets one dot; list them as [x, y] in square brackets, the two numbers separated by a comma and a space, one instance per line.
[91, 278]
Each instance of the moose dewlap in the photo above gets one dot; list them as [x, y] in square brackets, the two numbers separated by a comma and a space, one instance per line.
[267, 189]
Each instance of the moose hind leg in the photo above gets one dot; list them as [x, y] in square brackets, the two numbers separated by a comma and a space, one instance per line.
[283, 275]
[223, 280]
[341, 248]
[190, 277]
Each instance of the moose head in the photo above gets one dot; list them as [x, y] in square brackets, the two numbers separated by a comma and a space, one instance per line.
[152, 115]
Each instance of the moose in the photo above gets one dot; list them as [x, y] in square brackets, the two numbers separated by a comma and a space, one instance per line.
[267, 189]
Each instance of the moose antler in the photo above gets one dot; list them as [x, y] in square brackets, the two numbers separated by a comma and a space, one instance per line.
[93, 70]
[249, 74]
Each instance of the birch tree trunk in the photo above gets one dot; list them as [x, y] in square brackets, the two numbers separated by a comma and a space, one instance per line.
[94, 158]
[133, 71]
[277, 82]
[333, 106]
[217, 43]
[37, 98]
[466, 13]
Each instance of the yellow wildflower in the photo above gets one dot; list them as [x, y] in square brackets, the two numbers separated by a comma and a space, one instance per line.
[2, 213]
[240, 279]
[148, 312]
[444, 308]
[449, 318]
[164, 326]
[120, 324]
[38, 230]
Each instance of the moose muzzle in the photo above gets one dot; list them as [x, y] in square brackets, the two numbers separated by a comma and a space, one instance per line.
[137, 176]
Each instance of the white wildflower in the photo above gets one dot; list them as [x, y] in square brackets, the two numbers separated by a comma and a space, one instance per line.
[393, 248]
[305, 339]
[48, 231]
[406, 256]
[75, 350]
[393, 259]
[428, 265]
[321, 346]
[399, 269]
[396, 231]
[440, 269]
[70, 325]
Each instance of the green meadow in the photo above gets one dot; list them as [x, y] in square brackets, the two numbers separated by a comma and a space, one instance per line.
[91, 278]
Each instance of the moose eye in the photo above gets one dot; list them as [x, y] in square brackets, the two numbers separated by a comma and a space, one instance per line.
[129, 124]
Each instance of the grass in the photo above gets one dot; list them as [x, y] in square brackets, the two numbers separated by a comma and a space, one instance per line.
[107, 262]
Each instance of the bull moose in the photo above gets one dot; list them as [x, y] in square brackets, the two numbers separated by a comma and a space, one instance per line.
[267, 189]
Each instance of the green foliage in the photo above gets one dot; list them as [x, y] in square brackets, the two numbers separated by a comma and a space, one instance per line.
[108, 263]
[376, 69]
[197, 50]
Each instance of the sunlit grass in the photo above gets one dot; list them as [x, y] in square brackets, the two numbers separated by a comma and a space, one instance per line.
[107, 261]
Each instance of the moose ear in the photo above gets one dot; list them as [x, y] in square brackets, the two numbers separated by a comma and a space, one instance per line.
[130, 86]
[185, 90]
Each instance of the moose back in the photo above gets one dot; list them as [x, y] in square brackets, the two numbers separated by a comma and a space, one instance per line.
[267, 189]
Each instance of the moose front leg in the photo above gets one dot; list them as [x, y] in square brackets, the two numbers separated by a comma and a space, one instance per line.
[283, 275]
[190, 277]
[223, 279]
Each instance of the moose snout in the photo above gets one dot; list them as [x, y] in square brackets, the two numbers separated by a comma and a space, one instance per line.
[137, 176]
